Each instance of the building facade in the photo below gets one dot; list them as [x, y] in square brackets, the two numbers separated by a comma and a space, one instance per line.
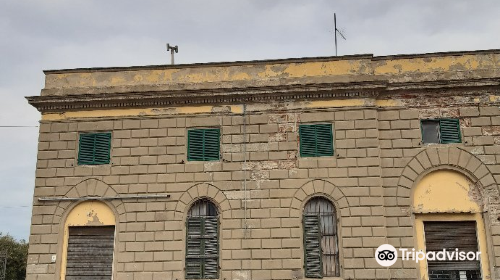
[277, 169]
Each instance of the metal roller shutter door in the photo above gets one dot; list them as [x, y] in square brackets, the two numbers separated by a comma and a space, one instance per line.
[90, 253]
[451, 236]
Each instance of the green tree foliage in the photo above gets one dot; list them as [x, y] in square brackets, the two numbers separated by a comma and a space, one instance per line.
[17, 256]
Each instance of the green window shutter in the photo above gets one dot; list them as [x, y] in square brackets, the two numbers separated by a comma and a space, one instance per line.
[202, 248]
[307, 134]
[316, 140]
[324, 140]
[94, 148]
[312, 246]
[204, 144]
[449, 131]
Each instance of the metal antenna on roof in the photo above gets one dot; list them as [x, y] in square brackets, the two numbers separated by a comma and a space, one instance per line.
[337, 31]
[172, 50]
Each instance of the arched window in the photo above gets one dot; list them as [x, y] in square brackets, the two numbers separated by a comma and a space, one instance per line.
[202, 241]
[321, 252]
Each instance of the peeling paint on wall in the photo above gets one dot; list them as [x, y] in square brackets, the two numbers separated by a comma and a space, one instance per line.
[446, 191]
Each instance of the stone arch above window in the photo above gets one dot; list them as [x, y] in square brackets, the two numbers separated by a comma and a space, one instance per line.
[432, 159]
[199, 191]
[318, 187]
[92, 189]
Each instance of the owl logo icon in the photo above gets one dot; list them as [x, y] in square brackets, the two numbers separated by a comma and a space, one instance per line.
[386, 255]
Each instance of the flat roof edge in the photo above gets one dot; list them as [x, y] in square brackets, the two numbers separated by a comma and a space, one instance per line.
[267, 61]
[210, 64]
[436, 54]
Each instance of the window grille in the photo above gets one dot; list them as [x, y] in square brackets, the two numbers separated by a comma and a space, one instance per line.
[321, 252]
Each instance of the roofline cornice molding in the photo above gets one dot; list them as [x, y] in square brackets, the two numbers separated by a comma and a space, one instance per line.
[163, 98]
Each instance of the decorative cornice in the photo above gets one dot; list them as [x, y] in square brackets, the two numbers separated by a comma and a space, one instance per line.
[314, 91]
[202, 97]
[443, 84]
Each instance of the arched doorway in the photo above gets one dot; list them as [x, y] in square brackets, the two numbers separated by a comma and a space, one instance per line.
[448, 216]
[88, 244]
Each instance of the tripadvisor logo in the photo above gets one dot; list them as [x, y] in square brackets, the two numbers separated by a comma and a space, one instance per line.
[387, 255]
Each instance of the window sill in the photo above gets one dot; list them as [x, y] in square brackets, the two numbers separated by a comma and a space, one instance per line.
[201, 161]
[441, 144]
[92, 165]
[220, 278]
[326, 278]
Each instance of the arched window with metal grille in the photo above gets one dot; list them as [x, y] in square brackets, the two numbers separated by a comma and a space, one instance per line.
[321, 252]
[202, 241]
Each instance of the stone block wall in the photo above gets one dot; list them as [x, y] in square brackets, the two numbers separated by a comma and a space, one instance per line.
[405, 160]
[261, 231]
[261, 183]
[261, 193]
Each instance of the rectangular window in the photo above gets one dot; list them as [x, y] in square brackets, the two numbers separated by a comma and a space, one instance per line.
[316, 140]
[451, 236]
[441, 131]
[94, 148]
[203, 144]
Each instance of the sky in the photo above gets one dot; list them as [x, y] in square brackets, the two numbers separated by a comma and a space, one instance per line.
[59, 34]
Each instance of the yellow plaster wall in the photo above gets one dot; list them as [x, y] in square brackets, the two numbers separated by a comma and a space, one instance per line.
[208, 74]
[446, 191]
[88, 213]
[434, 64]
[133, 112]
[234, 109]
[262, 73]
